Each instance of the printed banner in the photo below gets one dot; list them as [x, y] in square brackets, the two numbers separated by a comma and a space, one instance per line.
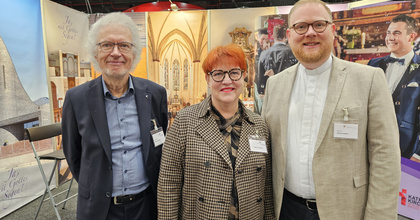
[18, 186]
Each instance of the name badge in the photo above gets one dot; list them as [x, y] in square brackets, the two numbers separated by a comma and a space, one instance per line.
[257, 144]
[346, 131]
[158, 136]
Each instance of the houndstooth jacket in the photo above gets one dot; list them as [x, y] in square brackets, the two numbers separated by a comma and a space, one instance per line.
[196, 173]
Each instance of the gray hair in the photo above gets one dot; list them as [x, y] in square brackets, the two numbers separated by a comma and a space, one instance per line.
[117, 18]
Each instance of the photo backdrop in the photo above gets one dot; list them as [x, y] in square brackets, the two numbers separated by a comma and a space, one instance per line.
[35, 76]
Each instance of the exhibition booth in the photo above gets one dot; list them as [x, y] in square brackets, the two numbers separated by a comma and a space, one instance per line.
[42, 55]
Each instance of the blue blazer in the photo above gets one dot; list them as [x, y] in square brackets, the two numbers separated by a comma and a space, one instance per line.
[406, 99]
[87, 145]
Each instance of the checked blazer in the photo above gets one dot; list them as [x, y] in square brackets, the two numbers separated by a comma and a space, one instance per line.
[196, 173]
[354, 178]
[406, 99]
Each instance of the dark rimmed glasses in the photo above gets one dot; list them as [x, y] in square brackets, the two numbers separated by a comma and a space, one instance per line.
[235, 74]
[108, 47]
[318, 26]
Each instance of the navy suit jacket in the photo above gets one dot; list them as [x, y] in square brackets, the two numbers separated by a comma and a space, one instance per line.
[87, 146]
[406, 99]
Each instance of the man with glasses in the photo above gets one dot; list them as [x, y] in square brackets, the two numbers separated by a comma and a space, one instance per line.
[403, 76]
[333, 130]
[113, 128]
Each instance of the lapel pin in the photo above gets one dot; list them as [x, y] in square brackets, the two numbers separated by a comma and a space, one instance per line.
[147, 96]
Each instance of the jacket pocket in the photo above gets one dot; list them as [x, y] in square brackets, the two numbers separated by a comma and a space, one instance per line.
[83, 191]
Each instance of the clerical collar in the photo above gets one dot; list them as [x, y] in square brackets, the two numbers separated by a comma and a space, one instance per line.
[324, 67]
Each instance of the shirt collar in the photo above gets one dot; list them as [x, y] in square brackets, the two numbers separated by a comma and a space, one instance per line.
[279, 42]
[324, 67]
[130, 87]
[205, 108]
[407, 58]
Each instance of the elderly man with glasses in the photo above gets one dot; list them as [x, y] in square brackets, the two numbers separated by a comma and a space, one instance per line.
[333, 129]
[113, 128]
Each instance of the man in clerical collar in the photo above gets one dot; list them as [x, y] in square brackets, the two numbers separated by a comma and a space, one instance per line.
[333, 129]
[403, 77]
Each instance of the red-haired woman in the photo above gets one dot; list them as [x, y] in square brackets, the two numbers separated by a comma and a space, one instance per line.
[216, 161]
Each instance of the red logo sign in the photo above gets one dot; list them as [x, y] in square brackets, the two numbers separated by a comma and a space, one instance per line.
[403, 198]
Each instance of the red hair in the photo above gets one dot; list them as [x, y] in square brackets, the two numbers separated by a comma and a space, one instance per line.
[231, 54]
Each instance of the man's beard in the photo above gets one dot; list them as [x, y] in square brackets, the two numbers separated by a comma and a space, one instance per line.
[311, 57]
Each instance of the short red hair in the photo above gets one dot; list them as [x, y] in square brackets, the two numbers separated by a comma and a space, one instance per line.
[231, 54]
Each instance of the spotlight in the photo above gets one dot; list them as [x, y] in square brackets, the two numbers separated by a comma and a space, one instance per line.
[174, 7]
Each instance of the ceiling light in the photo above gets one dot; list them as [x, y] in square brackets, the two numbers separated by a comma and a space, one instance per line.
[174, 7]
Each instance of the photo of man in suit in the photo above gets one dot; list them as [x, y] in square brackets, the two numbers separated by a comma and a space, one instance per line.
[403, 77]
[109, 125]
[262, 42]
[275, 59]
[333, 129]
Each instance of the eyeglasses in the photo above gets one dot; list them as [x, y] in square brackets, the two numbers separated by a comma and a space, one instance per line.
[318, 26]
[108, 47]
[219, 75]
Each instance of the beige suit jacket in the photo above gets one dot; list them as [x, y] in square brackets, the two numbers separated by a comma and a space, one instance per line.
[196, 173]
[354, 179]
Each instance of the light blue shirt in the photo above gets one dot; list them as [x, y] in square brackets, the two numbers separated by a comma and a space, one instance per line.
[129, 175]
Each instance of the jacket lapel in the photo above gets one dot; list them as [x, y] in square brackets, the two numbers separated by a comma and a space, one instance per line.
[287, 84]
[144, 106]
[209, 131]
[405, 79]
[335, 87]
[246, 130]
[95, 96]
[382, 64]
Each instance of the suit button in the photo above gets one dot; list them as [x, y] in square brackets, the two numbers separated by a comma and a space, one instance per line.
[240, 171]
[397, 103]
[259, 199]
[201, 199]
[207, 164]
[108, 194]
[259, 169]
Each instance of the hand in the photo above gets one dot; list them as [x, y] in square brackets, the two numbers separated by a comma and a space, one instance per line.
[269, 73]
[415, 159]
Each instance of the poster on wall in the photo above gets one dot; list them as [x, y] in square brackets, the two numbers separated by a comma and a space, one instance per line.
[177, 45]
[24, 102]
[361, 35]
[65, 33]
[272, 53]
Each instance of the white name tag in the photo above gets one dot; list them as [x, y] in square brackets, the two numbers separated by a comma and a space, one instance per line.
[346, 131]
[257, 144]
[158, 136]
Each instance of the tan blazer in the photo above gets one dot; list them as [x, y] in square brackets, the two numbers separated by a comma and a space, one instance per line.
[196, 173]
[354, 179]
